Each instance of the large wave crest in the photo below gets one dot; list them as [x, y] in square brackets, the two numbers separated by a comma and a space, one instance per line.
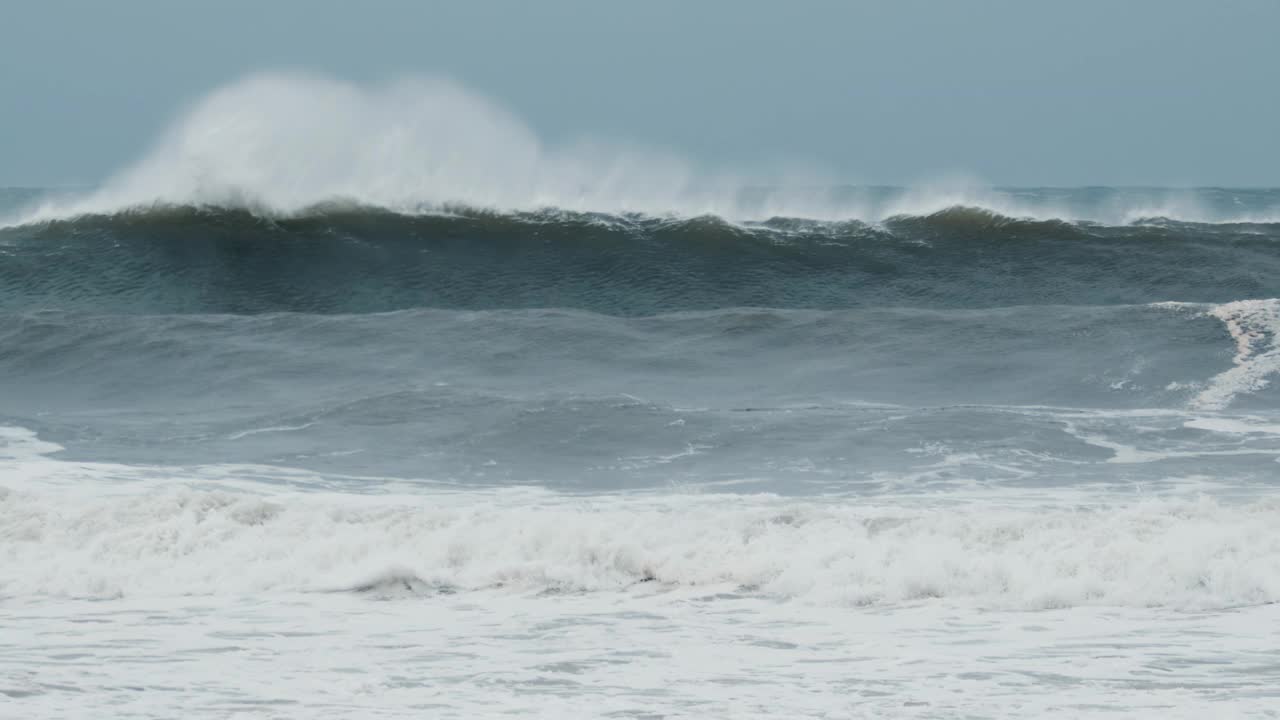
[283, 143]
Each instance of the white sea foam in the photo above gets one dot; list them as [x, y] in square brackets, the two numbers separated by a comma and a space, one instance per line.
[1254, 325]
[185, 541]
[77, 529]
[232, 591]
[1234, 426]
[281, 143]
[682, 653]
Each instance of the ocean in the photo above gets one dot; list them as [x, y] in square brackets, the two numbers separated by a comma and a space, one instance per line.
[317, 452]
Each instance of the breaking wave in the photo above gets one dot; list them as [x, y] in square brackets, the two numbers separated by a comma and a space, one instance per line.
[357, 259]
[279, 144]
[1178, 554]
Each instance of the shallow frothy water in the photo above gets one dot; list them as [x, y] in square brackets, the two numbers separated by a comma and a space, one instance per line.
[629, 654]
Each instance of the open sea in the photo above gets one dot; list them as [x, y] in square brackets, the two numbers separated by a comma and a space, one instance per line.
[300, 452]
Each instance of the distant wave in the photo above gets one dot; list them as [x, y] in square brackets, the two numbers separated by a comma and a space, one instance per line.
[352, 258]
[277, 145]
[940, 220]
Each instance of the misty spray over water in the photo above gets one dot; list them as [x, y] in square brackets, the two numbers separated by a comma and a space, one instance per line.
[281, 144]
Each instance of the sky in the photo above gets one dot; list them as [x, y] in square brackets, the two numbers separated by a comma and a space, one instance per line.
[1085, 92]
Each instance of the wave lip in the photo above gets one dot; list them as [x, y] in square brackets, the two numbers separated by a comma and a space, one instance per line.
[353, 259]
[279, 144]
[774, 208]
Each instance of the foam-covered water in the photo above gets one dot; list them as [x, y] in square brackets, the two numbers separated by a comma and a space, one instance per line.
[368, 402]
[993, 552]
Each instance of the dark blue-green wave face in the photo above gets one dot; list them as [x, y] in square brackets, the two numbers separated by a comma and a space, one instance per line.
[580, 350]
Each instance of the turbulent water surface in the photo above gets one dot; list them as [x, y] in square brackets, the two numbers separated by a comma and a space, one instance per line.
[334, 456]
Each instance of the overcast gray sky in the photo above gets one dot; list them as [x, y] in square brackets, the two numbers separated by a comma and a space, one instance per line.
[1077, 92]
